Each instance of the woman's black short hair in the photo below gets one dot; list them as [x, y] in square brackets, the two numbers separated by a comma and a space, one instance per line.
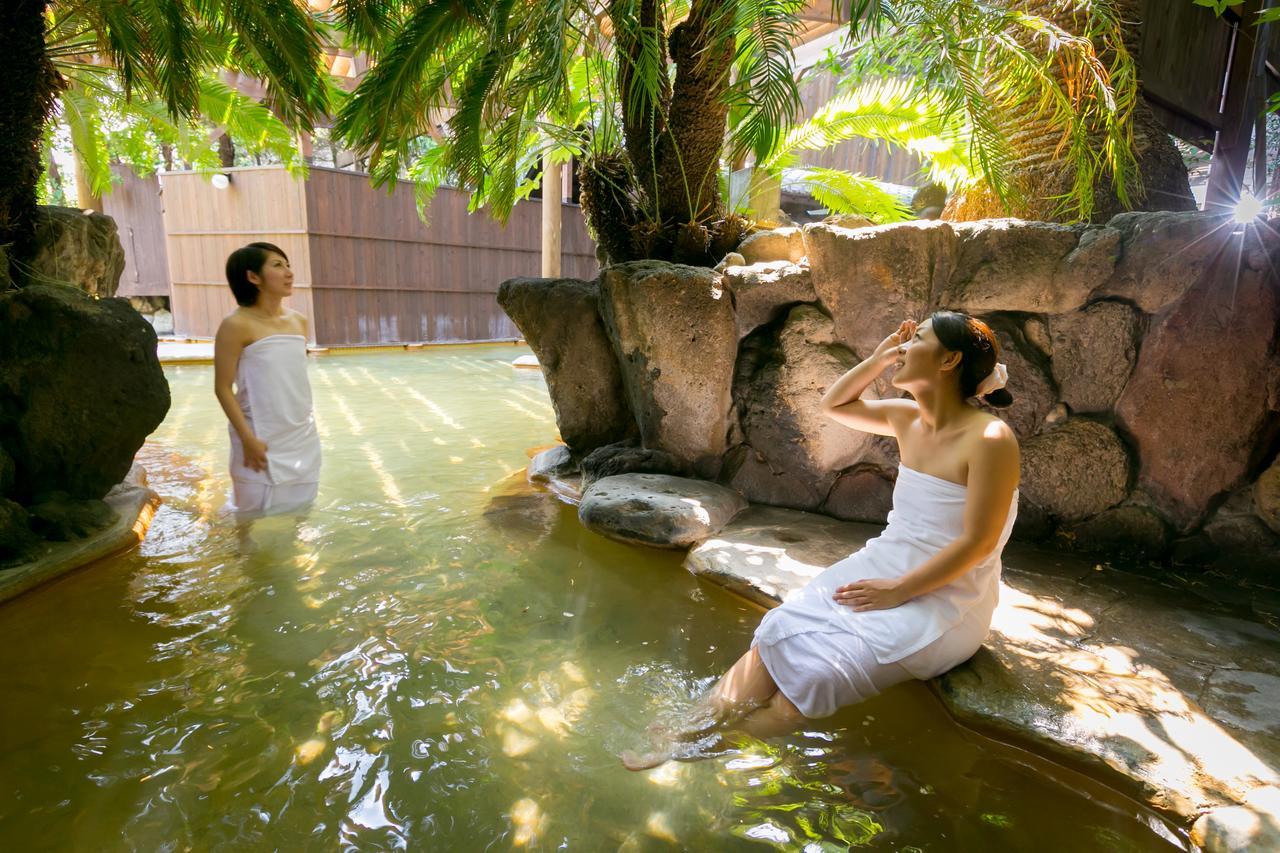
[979, 351]
[247, 259]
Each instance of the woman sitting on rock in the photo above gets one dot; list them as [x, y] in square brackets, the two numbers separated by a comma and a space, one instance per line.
[262, 348]
[918, 599]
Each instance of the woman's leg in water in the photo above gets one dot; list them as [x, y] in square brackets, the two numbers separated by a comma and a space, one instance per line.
[745, 698]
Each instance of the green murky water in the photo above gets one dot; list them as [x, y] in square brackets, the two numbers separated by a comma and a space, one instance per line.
[439, 658]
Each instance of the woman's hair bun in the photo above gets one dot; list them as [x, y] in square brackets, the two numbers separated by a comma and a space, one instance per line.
[999, 399]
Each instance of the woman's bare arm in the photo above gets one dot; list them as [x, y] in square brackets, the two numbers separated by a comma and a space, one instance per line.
[843, 404]
[993, 477]
[227, 347]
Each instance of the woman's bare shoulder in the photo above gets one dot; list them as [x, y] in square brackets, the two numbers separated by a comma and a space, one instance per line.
[991, 438]
[235, 324]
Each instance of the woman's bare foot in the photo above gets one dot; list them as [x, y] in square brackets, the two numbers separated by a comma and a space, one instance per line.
[635, 760]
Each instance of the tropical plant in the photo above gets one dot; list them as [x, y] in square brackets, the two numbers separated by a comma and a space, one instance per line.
[656, 96]
[1049, 92]
[660, 76]
[160, 52]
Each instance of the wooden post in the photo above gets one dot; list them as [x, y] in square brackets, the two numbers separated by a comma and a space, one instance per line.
[550, 219]
[1244, 97]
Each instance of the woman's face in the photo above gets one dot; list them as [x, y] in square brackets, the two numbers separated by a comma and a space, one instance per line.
[275, 277]
[922, 360]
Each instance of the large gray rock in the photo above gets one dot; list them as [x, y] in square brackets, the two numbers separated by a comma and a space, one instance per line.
[655, 509]
[1033, 393]
[77, 248]
[560, 320]
[862, 493]
[779, 244]
[674, 331]
[1075, 470]
[1163, 254]
[871, 279]
[1122, 531]
[763, 291]
[793, 452]
[1236, 528]
[552, 464]
[766, 553]
[1198, 405]
[1094, 351]
[80, 391]
[1011, 265]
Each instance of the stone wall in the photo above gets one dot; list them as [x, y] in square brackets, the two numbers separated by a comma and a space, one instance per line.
[1143, 359]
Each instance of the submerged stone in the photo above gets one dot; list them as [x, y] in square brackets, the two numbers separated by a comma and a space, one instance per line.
[767, 553]
[656, 509]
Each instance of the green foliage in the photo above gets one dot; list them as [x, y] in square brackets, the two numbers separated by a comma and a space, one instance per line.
[142, 76]
[981, 61]
[845, 192]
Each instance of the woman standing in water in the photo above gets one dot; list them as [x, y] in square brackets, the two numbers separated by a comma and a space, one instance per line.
[918, 599]
[261, 347]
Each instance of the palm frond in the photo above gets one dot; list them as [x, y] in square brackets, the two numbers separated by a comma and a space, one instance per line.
[846, 192]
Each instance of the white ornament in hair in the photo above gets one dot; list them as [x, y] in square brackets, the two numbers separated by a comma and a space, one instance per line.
[995, 380]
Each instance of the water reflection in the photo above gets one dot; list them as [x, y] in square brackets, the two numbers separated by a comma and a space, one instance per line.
[437, 657]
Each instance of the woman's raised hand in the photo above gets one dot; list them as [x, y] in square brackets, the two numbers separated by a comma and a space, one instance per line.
[889, 346]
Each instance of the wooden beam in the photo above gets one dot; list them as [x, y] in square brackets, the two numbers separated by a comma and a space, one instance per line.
[1243, 100]
[551, 205]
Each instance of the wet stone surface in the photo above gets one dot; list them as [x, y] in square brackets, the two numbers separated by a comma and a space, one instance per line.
[1166, 694]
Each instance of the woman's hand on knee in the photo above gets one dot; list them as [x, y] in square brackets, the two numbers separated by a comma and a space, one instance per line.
[871, 594]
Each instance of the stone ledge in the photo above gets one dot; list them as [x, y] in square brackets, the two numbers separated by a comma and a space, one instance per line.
[133, 502]
[1162, 695]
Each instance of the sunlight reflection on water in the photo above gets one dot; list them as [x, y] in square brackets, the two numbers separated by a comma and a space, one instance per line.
[437, 657]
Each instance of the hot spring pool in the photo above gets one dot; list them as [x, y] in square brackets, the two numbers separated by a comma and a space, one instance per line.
[439, 657]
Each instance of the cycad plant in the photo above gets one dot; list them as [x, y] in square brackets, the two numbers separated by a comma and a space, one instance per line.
[657, 97]
[157, 55]
[658, 79]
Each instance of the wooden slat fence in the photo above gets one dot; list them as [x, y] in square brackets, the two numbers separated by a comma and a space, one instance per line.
[367, 269]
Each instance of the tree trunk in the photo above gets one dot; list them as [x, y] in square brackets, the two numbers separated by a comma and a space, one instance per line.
[662, 200]
[1040, 179]
[27, 100]
[226, 151]
[86, 198]
[690, 155]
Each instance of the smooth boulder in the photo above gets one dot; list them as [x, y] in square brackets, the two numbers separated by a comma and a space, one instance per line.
[657, 509]
[778, 244]
[1094, 352]
[1011, 265]
[1075, 470]
[871, 279]
[767, 554]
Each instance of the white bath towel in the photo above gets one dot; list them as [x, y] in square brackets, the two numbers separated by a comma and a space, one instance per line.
[275, 396]
[928, 634]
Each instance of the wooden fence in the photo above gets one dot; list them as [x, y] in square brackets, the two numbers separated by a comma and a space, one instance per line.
[135, 204]
[367, 270]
